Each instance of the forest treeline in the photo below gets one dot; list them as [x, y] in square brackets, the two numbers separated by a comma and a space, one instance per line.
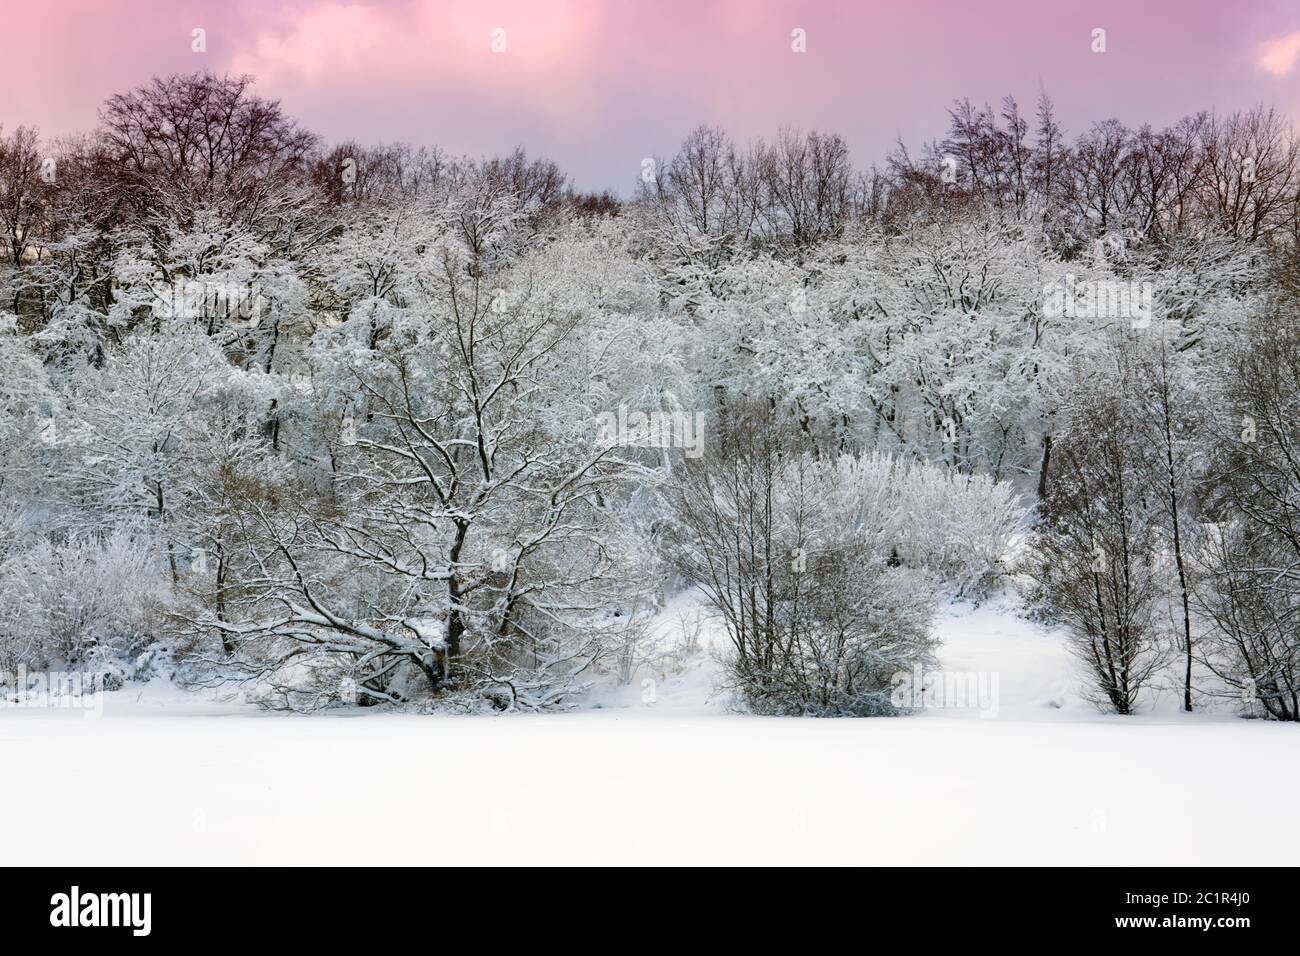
[359, 424]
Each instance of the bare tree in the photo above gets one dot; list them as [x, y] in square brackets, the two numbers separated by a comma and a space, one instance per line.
[1099, 174]
[188, 143]
[1050, 159]
[1251, 171]
[24, 178]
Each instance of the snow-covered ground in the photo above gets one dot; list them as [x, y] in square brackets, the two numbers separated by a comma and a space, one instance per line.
[171, 778]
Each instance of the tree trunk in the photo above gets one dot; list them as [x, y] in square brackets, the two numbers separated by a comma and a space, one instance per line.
[1042, 471]
[1182, 585]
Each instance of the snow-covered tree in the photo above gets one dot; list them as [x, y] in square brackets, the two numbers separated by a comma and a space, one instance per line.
[1095, 553]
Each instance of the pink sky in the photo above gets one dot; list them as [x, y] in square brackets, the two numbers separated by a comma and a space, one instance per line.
[599, 84]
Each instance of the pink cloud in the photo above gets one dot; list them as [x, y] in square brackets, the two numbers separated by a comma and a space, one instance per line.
[1279, 56]
[334, 36]
[536, 55]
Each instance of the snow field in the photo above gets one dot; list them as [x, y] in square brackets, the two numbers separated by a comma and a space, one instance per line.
[165, 778]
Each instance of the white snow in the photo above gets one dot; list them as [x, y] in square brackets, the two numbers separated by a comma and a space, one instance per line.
[169, 778]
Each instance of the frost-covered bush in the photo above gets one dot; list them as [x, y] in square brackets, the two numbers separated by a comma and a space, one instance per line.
[825, 571]
[960, 527]
[75, 602]
[796, 558]
[19, 641]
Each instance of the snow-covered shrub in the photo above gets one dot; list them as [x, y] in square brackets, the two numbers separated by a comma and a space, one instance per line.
[1252, 648]
[959, 527]
[76, 601]
[797, 559]
[20, 638]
